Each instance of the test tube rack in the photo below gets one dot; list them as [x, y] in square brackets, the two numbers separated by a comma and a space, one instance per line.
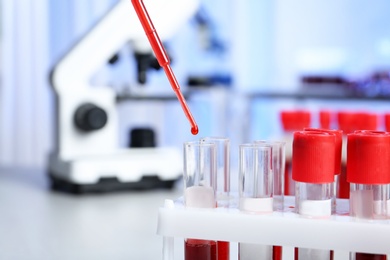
[341, 233]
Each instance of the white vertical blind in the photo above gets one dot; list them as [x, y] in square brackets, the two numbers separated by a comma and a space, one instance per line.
[25, 104]
[34, 35]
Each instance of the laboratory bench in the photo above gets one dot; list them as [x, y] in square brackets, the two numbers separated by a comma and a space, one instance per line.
[39, 223]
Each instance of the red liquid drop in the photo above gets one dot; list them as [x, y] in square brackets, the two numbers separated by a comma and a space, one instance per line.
[194, 130]
[197, 249]
[223, 250]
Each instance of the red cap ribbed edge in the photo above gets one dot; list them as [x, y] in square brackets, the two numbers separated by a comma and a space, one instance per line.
[338, 145]
[313, 157]
[368, 157]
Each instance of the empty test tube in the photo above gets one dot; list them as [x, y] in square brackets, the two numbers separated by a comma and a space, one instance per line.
[313, 172]
[255, 192]
[199, 192]
[222, 187]
[278, 161]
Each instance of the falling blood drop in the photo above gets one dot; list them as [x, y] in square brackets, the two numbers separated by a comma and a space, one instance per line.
[194, 130]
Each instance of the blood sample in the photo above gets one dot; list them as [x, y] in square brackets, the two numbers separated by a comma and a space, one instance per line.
[162, 58]
[199, 192]
[313, 172]
[368, 172]
[196, 249]
[223, 249]
[255, 193]
[363, 256]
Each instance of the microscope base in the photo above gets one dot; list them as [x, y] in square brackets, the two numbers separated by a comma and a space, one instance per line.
[109, 185]
[127, 169]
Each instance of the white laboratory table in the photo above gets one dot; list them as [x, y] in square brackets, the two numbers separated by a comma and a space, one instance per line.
[38, 223]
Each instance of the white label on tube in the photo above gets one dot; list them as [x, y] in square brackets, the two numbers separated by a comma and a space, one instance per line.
[199, 197]
[316, 208]
[261, 205]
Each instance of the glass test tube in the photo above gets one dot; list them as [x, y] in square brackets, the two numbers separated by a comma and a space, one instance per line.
[278, 162]
[199, 192]
[368, 172]
[222, 186]
[313, 172]
[255, 191]
[337, 164]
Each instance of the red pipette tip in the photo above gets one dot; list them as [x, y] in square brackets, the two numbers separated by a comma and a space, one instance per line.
[162, 57]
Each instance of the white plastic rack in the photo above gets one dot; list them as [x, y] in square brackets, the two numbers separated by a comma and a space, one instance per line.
[340, 233]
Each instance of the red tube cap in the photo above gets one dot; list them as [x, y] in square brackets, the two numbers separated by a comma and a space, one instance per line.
[387, 122]
[295, 120]
[338, 145]
[325, 119]
[313, 159]
[368, 157]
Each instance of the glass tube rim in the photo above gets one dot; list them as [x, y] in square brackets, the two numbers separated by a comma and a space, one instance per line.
[199, 143]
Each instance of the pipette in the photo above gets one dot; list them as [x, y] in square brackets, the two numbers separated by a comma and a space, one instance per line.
[162, 58]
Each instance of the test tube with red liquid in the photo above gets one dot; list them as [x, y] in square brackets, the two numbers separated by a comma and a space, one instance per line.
[222, 187]
[368, 172]
[199, 192]
[255, 193]
[313, 172]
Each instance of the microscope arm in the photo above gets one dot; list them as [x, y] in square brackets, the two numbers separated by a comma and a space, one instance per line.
[118, 27]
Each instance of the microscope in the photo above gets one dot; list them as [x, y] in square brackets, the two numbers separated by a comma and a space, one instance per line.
[87, 156]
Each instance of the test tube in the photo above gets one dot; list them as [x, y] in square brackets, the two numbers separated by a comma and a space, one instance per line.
[337, 163]
[199, 192]
[278, 162]
[255, 192]
[368, 172]
[313, 172]
[222, 187]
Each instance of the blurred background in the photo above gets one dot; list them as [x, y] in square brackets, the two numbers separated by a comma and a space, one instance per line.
[241, 65]
[240, 47]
